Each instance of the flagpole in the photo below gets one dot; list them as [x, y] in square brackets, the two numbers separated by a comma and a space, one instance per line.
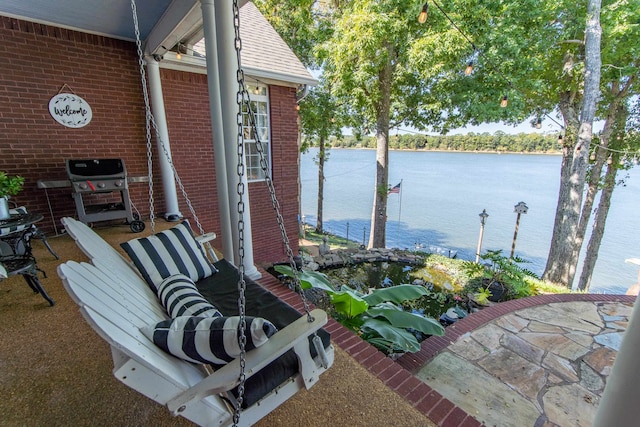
[399, 210]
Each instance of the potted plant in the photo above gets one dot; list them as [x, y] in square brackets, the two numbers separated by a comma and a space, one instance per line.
[9, 186]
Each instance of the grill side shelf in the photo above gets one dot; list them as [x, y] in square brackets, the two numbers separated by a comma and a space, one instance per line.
[67, 183]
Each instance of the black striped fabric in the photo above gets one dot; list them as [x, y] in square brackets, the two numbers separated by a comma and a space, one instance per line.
[211, 340]
[180, 297]
[173, 251]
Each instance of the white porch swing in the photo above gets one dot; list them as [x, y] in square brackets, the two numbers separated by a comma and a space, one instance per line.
[125, 310]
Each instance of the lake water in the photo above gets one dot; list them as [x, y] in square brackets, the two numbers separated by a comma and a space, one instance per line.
[443, 194]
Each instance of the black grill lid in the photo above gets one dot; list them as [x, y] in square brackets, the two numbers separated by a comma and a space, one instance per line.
[79, 169]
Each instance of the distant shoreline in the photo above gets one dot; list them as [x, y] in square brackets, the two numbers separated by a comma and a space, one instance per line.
[546, 153]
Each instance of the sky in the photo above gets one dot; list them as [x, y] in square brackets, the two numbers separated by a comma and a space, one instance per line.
[548, 126]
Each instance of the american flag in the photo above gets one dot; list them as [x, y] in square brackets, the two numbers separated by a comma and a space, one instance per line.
[395, 189]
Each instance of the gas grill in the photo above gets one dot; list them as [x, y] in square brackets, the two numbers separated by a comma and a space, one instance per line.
[91, 178]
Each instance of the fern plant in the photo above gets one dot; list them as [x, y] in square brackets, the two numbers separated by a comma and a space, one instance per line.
[499, 272]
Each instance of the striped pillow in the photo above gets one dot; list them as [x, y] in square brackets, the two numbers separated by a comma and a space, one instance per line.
[180, 297]
[208, 339]
[169, 252]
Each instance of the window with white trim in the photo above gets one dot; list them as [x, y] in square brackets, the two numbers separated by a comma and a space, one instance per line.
[260, 108]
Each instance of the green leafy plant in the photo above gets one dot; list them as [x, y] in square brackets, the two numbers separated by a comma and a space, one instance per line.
[502, 276]
[482, 296]
[377, 316]
[10, 185]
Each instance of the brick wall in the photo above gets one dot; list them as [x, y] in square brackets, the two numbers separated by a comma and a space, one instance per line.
[38, 60]
[285, 155]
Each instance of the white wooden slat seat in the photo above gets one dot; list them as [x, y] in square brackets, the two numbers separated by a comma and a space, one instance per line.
[116, 302]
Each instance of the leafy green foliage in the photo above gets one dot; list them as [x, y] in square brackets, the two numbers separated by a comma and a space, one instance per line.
[402, 319]
[376, 316]
[10, 185]
[502, 272]
[396, 294]
[396, 338]
[348, 302]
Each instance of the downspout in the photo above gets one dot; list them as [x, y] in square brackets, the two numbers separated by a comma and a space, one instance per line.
[215, 109]
[157, 107]
[227, 63]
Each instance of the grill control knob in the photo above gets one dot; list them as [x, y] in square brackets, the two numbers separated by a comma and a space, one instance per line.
[82, 186]
[118, 183]
[101, 185]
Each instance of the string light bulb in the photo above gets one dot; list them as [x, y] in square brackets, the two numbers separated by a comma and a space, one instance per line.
[297, 107]
[422, 18]
[504, 102]
[592, 157]
[560, 139]
[610, 160]
[178, 53]
[469, 69]
[539, 123]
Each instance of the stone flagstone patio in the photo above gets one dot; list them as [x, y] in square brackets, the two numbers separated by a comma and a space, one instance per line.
[540, 366]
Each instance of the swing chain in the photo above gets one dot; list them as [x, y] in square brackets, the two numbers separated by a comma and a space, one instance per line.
[242, 339]
[148, 115]
[275, 203]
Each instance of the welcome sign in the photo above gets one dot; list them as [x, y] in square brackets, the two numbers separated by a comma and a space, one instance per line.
[70, 110]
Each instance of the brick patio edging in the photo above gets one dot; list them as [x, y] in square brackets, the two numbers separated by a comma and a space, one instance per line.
[398, 376]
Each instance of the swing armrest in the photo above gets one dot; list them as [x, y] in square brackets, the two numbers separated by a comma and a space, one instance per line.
[206, 237]
[227, 377]
[204, 240]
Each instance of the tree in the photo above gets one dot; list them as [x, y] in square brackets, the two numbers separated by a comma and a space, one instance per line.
[562, 260]
[368, 62]
[540, 49]
[619, 151]
[302, 25]
[320, 119]
[387, 69]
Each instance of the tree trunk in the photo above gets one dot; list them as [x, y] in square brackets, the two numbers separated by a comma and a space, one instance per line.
[562, 261]
[377, 236]
[598, 226]
[568, 209]
[594, 181]
[321, 159]
[593, 63]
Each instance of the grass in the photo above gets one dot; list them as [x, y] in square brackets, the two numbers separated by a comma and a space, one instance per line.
[335, 242]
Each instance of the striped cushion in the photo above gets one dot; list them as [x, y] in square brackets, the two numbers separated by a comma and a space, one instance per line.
[208, 339]
[180, 297]
[167, 253]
